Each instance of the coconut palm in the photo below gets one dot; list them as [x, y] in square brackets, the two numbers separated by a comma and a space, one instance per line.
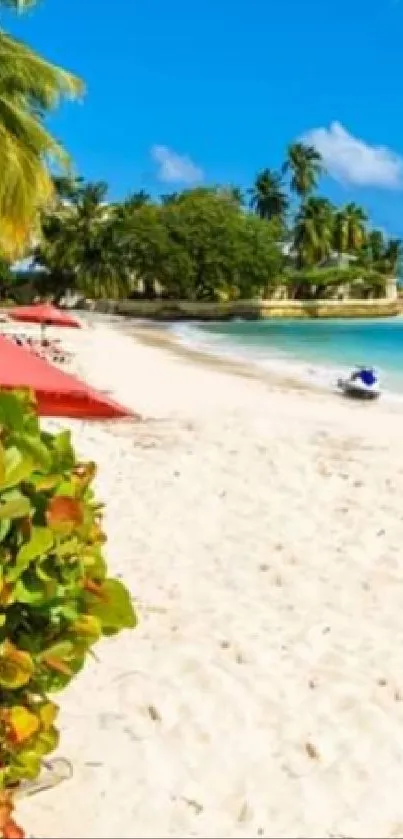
[267, 196]
[376, 244]
[137, 199]
[355, 220]
[313, 231]
[393, 255]
[84, 246]
[29, 87]
[305, 166]
[67, 188]
[340, 232]
[168, 198]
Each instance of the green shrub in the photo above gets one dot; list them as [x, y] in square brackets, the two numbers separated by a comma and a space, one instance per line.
[56, 599]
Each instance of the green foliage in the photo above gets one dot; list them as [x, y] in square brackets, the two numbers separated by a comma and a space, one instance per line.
[56, 599]
[319, 283]
[204, 244]
[199, 246]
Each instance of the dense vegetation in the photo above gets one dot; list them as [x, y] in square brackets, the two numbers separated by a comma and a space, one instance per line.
[56, 599]
[212, 243]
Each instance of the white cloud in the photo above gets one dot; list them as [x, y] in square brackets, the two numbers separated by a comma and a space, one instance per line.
[175, 168]
[350, 159]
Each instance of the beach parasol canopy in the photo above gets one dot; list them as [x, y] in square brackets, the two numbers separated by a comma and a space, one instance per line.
[44, 313]
[58, 394]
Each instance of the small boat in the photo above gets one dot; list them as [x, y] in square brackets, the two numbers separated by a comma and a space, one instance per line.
[362, 383]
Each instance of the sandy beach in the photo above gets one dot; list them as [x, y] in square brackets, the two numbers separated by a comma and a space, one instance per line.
[260, 529]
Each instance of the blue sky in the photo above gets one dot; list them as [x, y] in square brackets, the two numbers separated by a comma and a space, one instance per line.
[213, 91]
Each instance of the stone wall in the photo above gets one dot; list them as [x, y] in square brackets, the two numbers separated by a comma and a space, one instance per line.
[165, 310]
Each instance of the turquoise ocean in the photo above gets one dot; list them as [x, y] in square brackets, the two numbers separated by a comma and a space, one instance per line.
[313, 350]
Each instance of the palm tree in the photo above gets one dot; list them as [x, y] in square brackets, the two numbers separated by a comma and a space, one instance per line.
[267, 196]
[84, 246]
[393, 254]
[67, 188]
[313, 231]
[340, 232]
[376, 244]
[305, 165]
[29, 87]
[168, 198]
[137, 199]
[355, 220]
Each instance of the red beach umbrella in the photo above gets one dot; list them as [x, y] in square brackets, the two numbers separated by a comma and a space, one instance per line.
[58, 394]
[44, 313]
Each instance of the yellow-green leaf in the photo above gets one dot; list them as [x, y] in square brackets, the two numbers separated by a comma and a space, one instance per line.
[14, 506]
[47, 714]
[112, 605]
[17, 467]
[87, 625]
[16, 667]
[23, 723]
[40, 543]
[2, 465]
[36, 450]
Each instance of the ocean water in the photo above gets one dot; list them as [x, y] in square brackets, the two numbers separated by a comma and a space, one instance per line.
[314, 350]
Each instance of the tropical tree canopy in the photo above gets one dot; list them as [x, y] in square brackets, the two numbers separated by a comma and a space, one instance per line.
[205, 244]
[199, 246]
[30, 86]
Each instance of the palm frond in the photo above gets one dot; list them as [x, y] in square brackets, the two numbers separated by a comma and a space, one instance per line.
[25, 73]
[29, 87]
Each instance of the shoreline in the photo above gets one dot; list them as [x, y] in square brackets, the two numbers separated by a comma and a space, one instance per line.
[156, 336]
[307, 379]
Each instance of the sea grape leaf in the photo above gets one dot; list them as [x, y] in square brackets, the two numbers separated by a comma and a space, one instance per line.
[112, 606]
[2, 464]
[29, 589]
[63, 650]
[63, 452]
[30, 762]
[84, 474]
[14, 505]
[23, 723]
[47, 715]
[16, 666]
[12, 412]
[68, 547]
[37, 451]
[5, 525]
[66, 487]
[64, 513]
[42, 483]
[68, 611]
[88, 625]
[47, 741]
[40, 543]
[17, 467]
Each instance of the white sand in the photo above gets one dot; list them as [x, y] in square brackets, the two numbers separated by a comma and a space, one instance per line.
[261, 531]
